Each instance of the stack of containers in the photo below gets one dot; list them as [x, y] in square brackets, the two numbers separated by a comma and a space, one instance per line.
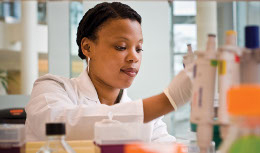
[112, 135]
[12, 138]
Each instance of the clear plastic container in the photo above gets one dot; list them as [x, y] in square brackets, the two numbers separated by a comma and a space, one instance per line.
[12, 138]
[12, 135]
[244, 109]
[55, 139]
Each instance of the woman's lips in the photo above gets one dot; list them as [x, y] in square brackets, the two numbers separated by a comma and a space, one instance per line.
[132, 72]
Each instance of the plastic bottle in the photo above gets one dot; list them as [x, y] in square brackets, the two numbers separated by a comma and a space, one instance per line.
[250, 59]
[229, 75]
[55, 139]
[202, 106]
[244, 111]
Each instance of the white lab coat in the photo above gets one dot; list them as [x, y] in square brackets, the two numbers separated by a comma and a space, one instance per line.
[75, 102]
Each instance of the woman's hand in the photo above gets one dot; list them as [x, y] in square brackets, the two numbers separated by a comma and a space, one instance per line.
[175, 95]
[180, 89]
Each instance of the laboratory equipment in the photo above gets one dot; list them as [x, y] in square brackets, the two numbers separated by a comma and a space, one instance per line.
[55, 139]
[155, 148]
[12, 138]
[112, 135]
[113, 132]
[12, 116]
[250, 59]
[228, 75]
[244, 110]
[202, 106]
[189, 57]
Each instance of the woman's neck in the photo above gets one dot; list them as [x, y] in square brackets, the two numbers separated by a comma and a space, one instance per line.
[106, 94]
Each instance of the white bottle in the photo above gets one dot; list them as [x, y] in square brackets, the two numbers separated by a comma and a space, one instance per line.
[229, 75]
[55, 139]
[202, 107]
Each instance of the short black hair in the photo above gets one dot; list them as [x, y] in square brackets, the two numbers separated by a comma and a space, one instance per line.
[96, 16]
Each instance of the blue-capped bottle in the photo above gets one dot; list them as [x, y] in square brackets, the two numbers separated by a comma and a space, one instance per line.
[250, 59]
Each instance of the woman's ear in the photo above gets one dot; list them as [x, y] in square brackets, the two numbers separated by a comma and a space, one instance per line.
[86, 47]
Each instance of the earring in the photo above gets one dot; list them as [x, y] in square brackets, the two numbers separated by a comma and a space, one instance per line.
[88, 64]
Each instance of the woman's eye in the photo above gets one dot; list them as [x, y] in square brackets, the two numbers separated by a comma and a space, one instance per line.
[119, 48]
[139, 50]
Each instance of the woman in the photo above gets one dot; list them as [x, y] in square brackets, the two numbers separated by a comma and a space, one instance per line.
[110, 39]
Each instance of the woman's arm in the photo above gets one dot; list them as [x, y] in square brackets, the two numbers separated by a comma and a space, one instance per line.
[156, 106]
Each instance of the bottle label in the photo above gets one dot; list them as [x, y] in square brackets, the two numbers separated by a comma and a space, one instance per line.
[222, 67]
[200, 96]
[194, 70]
[237, 59]
[214, 63]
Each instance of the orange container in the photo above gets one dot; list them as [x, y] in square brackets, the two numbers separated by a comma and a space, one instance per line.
[244, 100]
[244, 109]
[155, 148]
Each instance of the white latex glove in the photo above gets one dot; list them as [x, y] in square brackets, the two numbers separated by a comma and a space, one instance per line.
[180, 89]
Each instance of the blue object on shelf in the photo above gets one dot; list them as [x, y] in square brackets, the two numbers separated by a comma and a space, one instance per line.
[252, 37]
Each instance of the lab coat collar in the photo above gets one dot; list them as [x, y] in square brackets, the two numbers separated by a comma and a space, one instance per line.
[88, 89]
[86, 86]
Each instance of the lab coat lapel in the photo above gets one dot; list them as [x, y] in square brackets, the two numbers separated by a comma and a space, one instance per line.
[125, 97]
[86, 87]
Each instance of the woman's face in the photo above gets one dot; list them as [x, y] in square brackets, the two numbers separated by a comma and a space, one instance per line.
[116, 55]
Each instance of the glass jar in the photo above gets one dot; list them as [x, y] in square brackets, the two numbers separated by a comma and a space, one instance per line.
[55, 139]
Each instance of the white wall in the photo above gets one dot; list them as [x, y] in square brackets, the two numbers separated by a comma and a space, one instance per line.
[154, 74]
[11, 35]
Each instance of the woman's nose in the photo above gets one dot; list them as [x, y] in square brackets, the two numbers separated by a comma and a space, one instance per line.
[133, 56]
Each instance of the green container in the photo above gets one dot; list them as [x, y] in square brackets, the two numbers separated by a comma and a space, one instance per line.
[216, 134]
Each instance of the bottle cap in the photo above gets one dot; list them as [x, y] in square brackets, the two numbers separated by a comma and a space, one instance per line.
[244, 100]
[231, 32]
[55, 129]
[231, 37]
[252, 37]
